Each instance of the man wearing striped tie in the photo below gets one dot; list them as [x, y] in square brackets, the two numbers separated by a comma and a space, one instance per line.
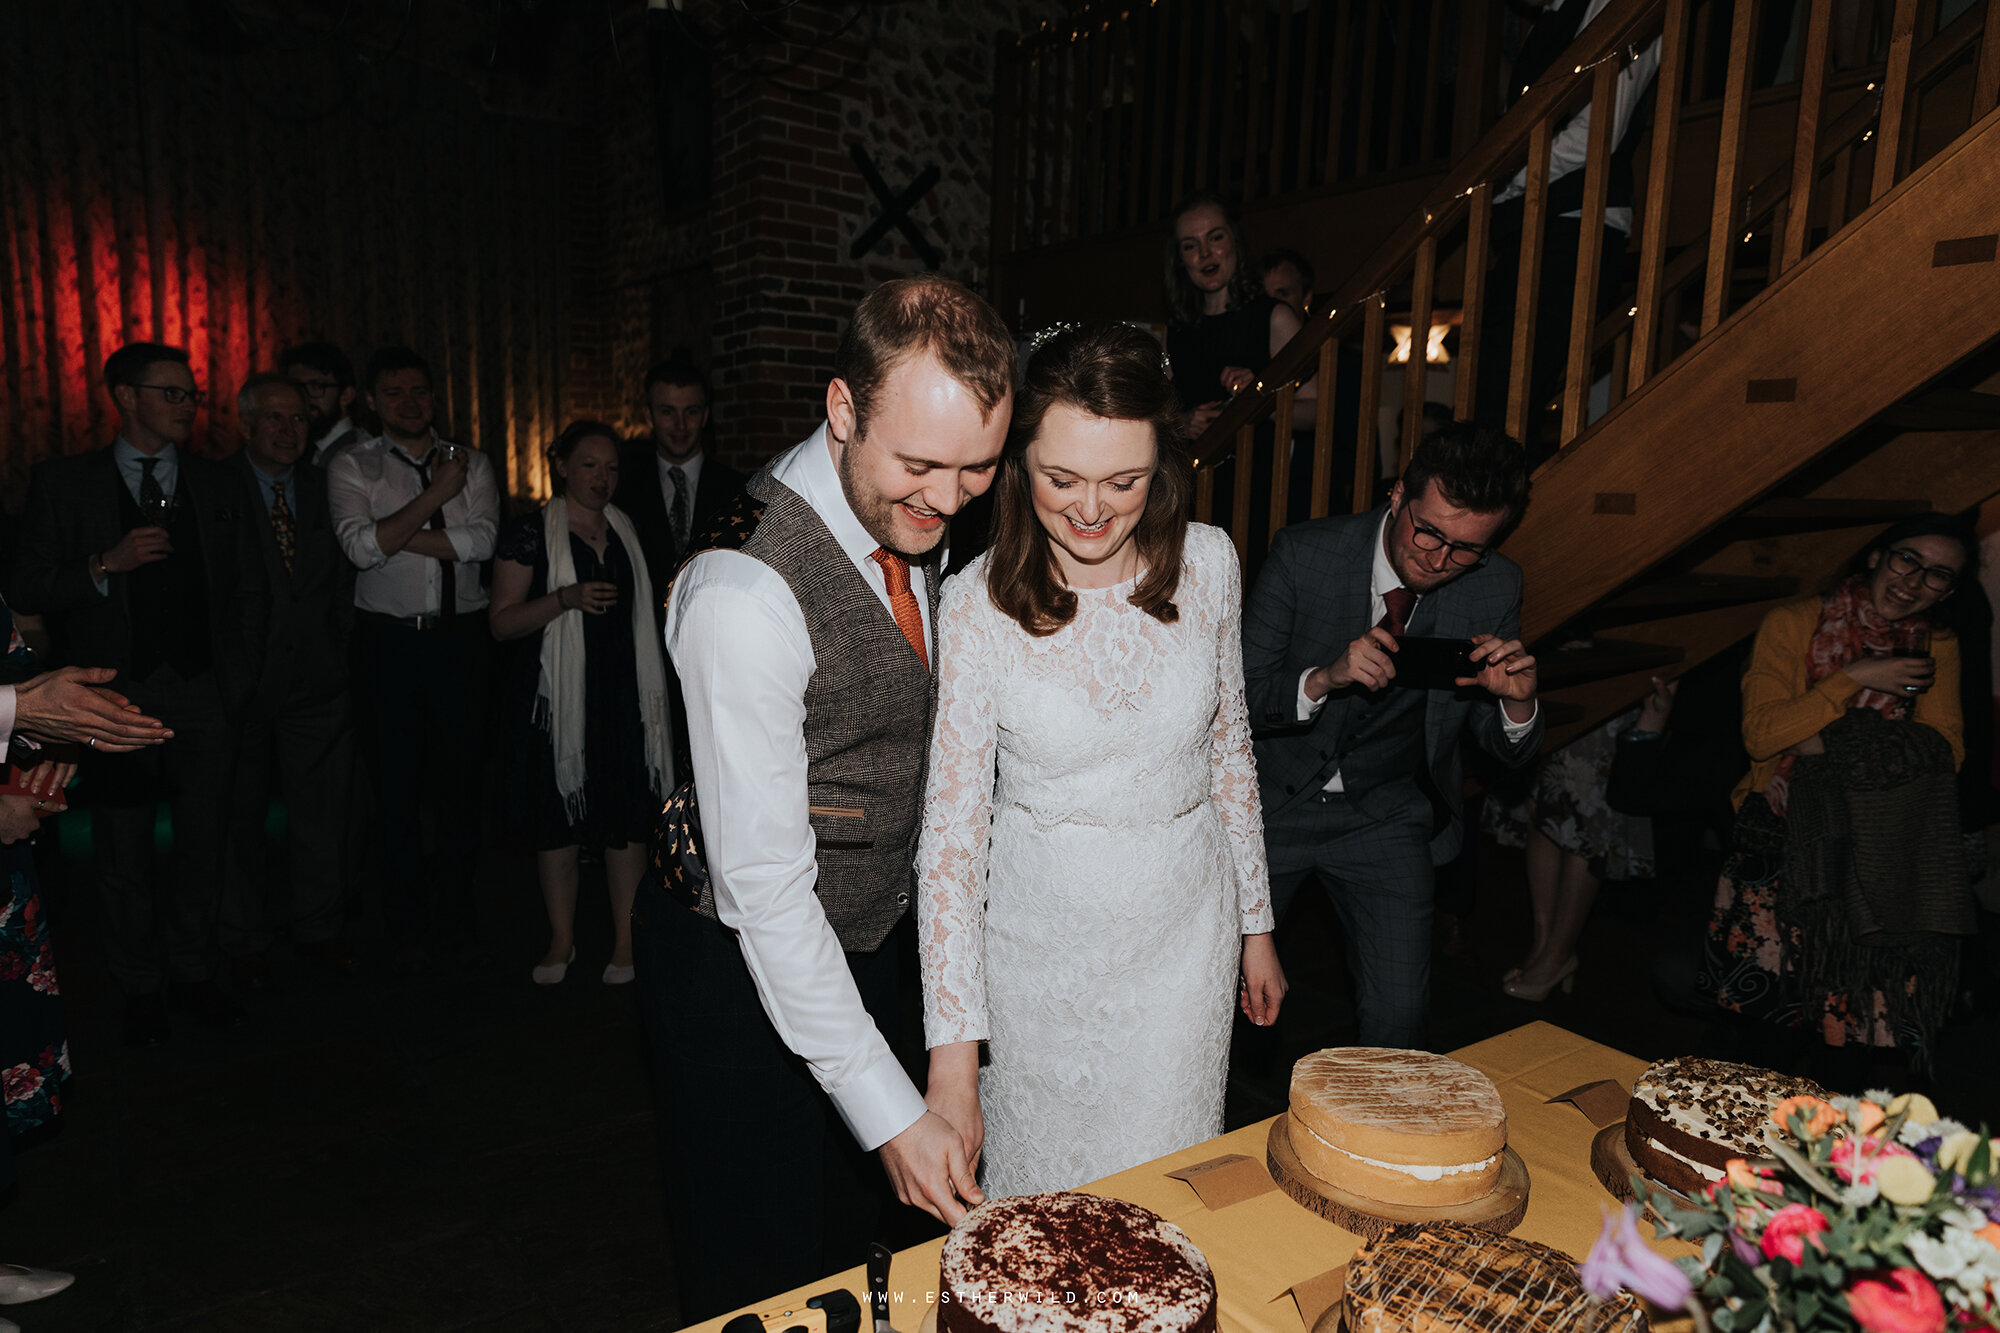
[806, 645]
[298, 734]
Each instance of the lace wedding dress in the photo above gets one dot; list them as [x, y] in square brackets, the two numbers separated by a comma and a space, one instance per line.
[1092, 857]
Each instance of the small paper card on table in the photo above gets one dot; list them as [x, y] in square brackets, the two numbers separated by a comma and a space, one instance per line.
[1221, 1181]
[1603, 1101]
[1317, 1295]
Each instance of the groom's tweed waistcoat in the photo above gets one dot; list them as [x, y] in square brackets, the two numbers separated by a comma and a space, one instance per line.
[868, 715]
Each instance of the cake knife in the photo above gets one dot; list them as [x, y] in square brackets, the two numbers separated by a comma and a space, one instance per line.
[878, 1285]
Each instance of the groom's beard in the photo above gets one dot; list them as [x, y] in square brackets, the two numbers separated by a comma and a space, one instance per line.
[882, 517]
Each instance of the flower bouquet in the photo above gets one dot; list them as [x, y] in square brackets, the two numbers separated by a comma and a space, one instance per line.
[1872, 1213]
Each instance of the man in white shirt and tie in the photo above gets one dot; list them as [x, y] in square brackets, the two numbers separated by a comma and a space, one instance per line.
[806, 650]
[417, 515]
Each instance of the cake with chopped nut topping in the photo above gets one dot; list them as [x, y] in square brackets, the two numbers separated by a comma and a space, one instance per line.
[1072, 1263]
[1689, 1116]
[1442, 1277]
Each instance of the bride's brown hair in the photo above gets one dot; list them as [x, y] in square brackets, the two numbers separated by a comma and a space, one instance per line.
[1106, 370]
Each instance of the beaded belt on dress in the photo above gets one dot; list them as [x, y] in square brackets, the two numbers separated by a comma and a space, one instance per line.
[1100, 823]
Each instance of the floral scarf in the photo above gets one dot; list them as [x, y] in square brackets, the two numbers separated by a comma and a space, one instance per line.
[1849, 628]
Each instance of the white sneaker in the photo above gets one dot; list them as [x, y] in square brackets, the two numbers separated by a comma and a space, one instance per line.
[20, 1284]
[553, 973]
[615, 975]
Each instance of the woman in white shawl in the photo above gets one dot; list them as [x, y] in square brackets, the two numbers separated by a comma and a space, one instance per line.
[592, 756]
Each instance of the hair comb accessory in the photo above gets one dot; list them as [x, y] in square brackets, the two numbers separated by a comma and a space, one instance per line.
[1042, 337]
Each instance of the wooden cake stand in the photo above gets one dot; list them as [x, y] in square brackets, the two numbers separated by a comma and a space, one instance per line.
[1499, 1212]
[1612, 1163]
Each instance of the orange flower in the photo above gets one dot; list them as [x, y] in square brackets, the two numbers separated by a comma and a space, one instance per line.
[1990, 1233]
[1868, 1117]
[1746, 1177]
[1824, 1115]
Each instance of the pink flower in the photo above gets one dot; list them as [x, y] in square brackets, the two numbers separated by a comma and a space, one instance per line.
[1620, 1260]
[1856, 1157]
[1789, 1229]
[19, 1082]
[1903, 1302]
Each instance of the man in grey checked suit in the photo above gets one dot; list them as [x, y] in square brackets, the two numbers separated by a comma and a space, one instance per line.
[1361, 777]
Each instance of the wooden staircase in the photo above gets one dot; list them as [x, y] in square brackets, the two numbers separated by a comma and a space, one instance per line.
[1769, 414]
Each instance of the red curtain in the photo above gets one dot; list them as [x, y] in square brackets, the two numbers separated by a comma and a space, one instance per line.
[232, 201]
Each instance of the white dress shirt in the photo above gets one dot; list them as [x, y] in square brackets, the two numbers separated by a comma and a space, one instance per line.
[365, 485]
[1381, 579]
[692, 471]
[739, 641]
[7, 707]
[1572, 142]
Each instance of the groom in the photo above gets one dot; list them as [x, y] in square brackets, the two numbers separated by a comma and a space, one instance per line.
[1360, 777]
[807, 652]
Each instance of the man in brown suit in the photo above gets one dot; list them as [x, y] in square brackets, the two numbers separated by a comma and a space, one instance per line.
[806, 654]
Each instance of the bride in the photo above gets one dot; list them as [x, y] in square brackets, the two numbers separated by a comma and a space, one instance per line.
[1091, 874]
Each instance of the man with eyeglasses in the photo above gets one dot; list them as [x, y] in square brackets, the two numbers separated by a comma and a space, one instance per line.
[326, 377]
[144, 559]
[1360, 775]
[298, 731]
[417, 515]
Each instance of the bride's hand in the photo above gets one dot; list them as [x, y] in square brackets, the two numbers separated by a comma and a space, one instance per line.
[953, 1093]
[1264, 984]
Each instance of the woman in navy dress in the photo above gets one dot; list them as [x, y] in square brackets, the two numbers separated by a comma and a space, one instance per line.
[593, 755]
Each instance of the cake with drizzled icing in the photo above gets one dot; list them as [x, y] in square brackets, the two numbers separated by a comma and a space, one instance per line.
[1689, 1116]
[1442, 1277]
[1398, 1127]
[1072, 1263]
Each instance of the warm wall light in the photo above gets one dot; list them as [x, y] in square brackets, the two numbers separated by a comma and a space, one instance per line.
[1434, 350]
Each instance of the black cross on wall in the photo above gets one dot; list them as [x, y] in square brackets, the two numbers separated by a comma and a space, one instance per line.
[895, 210]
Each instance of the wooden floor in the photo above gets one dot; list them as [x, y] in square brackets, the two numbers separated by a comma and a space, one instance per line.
[469, 1151]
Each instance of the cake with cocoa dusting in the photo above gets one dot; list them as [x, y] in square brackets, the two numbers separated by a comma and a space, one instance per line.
[1072, 1263]
[1442, 1277]
[1689, 1116]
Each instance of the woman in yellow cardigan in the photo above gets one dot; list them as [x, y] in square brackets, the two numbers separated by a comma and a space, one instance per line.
[1815, 660]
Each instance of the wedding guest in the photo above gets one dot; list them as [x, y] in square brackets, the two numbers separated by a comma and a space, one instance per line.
[34, 1048]
[1563, 227]
[806, 653]
[298, 732]
[1221, 327]
[1287, 276]
[674, 489]
[1574, 840]
[593, 754]
[671, 485]
[143, 557]
[1798, 936]
[417, 515]
[1091, 659]
[1361, 776]
[326, 377]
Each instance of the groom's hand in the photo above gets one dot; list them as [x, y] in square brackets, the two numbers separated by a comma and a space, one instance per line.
[927, 1165]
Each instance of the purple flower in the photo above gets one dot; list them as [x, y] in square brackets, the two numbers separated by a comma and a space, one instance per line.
[1620, 1260]
[1746, 1249]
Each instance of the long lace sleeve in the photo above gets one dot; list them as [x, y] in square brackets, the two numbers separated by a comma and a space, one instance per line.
[1233, 768]
[958, 816]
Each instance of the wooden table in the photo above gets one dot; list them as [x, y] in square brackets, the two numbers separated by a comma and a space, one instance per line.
[1263, 1245]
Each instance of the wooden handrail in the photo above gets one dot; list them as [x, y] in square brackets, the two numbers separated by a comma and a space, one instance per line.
[1620, 28]
[1622, 24]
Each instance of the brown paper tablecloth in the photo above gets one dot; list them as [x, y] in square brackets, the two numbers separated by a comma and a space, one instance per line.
[1261, 1246]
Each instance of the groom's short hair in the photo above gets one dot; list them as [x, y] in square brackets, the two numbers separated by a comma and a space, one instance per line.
[908, 316]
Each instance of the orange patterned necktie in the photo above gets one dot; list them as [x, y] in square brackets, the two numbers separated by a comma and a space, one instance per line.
[903, 602]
